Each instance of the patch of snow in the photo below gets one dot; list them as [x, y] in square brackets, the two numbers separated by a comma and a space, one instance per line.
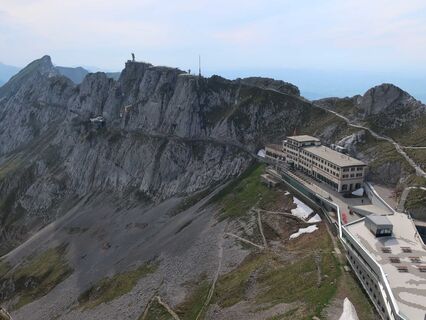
[301, 231]
[316, 218]
[286, 193]
[349, 312]
[302, 210]
[358, 192]
[261, 153]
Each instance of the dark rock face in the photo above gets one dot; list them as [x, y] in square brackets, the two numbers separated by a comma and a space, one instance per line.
[166, 134]
[385, 107]
[386, 98]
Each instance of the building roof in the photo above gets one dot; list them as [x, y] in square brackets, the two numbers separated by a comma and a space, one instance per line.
[408, 287]
[333, 156]
[303, 138]
[380, 221]
[369, 209]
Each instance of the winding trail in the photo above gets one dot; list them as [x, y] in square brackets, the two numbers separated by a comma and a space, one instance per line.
[215, 278]
[245, 240]
[166, 306]
[259, 222]
[401, 204]
[398, 147]
[163, 304]
[419, 171]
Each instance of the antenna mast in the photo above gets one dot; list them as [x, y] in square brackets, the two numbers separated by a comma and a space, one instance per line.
[199, 65]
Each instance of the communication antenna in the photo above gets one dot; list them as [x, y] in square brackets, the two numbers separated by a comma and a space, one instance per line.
[199, 65]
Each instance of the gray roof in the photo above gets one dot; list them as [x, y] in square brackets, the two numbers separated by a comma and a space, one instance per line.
[380, 221]
[303, 138]
[334, 157]
[409, 289]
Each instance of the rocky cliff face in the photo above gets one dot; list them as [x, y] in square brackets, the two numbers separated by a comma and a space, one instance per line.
[384, 106]
[165, 133]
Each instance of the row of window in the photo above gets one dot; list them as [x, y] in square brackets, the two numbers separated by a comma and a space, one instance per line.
[356, 253]
[353, 169]
[352, 175]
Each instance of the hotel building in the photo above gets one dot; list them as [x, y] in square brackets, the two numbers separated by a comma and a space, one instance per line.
[306, 153]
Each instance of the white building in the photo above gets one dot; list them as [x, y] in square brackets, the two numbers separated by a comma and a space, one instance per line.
[342, 172]
[389, 258]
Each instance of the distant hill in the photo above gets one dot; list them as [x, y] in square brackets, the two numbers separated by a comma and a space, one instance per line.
[76, 75]
[6, 72]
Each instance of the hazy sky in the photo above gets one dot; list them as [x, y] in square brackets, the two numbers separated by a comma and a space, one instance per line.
[229, 34]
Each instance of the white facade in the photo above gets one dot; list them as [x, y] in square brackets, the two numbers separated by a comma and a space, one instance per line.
[341, 172]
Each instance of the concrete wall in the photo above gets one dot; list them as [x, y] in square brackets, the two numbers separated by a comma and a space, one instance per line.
[375, 199]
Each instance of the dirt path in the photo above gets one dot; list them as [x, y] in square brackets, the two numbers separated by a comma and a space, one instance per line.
[245, 240]
[215, 278]
[166, 306]
[259, 222]
[398, 147]
[163, 304]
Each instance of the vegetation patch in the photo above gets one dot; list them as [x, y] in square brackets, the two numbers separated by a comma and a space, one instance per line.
[271, 281]
[243, 193]
[156, 312]
[418, 156]
[416, 199]
[38, 276]
[110, 288]
[193, 304]
[4, 268]
[231, 287]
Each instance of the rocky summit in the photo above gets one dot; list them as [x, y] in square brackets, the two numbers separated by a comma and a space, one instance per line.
[128, 197]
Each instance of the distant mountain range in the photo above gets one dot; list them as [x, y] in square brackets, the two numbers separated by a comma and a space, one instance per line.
[313, 84]
[76, 74]
[6, 72]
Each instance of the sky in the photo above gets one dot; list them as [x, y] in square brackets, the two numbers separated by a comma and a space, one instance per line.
[384, 38]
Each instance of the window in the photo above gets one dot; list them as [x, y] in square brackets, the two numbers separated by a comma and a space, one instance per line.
[402, 269]
[415, 259]
[395, 260]
[386, 250]
[406, 249]
[422, 268]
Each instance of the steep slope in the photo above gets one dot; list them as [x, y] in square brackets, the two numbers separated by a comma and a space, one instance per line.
[109, 193]
[98, 216]
[167, 133]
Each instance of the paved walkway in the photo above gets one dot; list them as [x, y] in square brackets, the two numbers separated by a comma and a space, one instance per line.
[387, 194]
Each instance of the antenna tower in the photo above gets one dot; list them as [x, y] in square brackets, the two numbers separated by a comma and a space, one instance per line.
[199, 65]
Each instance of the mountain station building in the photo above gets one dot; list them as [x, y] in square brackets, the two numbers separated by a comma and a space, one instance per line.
[306, 153]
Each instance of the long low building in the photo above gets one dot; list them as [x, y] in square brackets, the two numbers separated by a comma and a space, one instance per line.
[389, 258]
[340, 171]
[382, 246]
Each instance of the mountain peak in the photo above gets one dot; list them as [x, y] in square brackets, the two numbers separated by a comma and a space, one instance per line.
[385, 97]
[43, 66]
